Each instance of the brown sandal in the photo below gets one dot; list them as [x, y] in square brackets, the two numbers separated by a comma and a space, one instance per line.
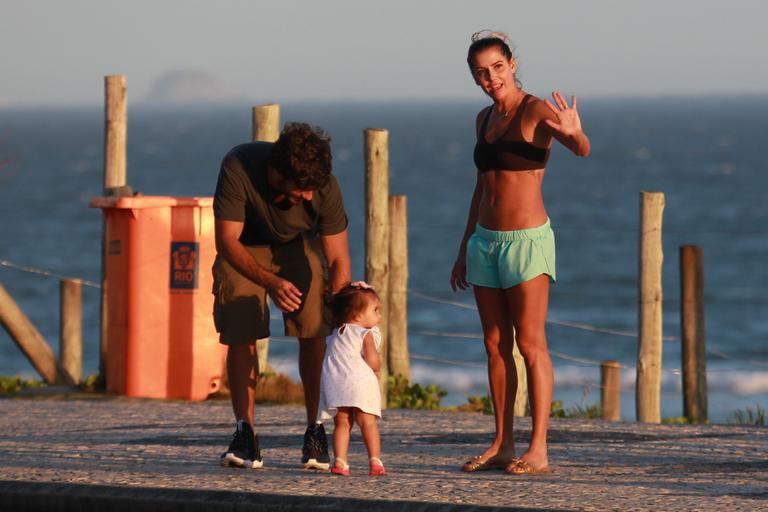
[521, 467]
[478, 464]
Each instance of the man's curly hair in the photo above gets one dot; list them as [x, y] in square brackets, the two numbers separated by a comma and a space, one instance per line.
[302, 155]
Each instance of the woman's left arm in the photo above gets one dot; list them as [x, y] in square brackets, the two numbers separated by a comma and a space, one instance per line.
[564, 124]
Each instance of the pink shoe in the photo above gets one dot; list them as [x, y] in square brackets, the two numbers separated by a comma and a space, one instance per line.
[340, 467]
[377, 467]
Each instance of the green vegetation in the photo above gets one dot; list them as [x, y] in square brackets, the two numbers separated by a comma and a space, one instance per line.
[402, 395]
[581, 411]
[277, 388]
[92, 383]
[481, 404]
[682, 420]
[754, 418]
[14, 384]
[484, 405]
[271, 388]
[676, 420]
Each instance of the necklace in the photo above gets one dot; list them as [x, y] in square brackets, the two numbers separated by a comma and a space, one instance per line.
[504, 114]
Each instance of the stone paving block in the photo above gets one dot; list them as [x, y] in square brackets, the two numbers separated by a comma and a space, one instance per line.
[163, 455]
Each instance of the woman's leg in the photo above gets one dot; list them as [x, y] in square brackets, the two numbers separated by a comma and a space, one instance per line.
[342, 425]
[502, 375]
[370, 430]
[528, 308]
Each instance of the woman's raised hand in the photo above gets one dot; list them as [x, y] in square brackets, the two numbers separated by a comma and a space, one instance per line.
[568, 122]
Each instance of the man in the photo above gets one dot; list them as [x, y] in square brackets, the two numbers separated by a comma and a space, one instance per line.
[280, 228]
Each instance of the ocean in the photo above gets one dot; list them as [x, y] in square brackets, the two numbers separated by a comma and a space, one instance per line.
[706, 154]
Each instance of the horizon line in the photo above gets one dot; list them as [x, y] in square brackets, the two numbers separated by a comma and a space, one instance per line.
[378, 100]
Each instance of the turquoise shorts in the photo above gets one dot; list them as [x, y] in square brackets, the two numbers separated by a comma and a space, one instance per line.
[503, 259]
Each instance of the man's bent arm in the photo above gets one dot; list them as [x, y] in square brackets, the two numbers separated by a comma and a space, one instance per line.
[336, 251]
[285, 295]
[230, 248]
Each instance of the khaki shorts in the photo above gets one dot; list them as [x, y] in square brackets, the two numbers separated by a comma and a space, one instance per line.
[240, 309]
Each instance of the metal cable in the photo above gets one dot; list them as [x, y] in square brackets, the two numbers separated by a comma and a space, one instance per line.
[33, 270]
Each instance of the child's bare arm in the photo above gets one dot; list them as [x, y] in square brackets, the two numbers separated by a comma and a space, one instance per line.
[370, 354]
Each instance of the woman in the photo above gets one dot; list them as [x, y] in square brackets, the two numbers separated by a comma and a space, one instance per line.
[508, 250]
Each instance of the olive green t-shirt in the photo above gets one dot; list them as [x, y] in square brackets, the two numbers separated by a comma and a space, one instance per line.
[244, 195]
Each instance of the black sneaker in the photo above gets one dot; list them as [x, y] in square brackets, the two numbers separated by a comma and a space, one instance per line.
[243, 451]
[314, 454]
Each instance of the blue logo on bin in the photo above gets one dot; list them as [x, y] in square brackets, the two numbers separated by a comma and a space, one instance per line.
[184, 265]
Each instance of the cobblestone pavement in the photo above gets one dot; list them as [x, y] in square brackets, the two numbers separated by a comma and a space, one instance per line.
[133, 448]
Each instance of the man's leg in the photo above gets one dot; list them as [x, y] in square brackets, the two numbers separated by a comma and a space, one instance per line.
[311, 353]
[302, 263]
[242, 372]
[315, 450]
[241, 316]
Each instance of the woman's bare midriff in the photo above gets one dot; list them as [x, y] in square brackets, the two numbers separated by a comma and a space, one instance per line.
[511, 200]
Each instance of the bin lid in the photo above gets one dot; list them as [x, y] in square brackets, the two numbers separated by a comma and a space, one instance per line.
[139, 202]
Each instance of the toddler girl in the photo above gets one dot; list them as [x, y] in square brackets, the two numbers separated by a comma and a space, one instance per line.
[349, 386]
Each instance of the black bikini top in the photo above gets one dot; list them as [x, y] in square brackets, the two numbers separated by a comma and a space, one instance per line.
[509, 155]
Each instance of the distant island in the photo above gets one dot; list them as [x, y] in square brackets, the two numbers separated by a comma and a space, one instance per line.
[182, 87]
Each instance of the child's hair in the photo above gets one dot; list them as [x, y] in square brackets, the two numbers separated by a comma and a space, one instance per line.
[350, 301]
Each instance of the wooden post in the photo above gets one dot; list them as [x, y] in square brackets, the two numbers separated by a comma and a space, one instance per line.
[399, 358]
[266, 128]
[115, 176]
[692, 325]
[610, 390]
[266, 122]
[648, 389]
[115, 132]
[377, 233]
[30, 341]
[521, 397]
[71, 328]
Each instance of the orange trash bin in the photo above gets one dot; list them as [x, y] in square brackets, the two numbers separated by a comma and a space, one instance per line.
[161, 340]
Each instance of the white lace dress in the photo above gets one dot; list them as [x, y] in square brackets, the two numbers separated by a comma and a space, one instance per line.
[347, 380]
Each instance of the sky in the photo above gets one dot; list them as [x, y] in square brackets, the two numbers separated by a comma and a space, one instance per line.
[55, 52]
